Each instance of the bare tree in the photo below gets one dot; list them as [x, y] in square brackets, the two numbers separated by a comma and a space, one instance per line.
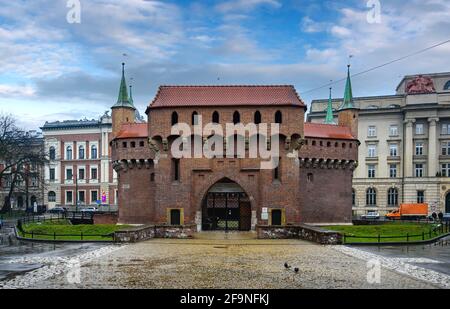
[19, 152]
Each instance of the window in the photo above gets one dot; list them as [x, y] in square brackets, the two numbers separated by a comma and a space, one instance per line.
[94, 173]
[152, 177]
[276, 171]
[94, 152]
[52, 196]
[392, 197]
[69, 174]
[446, 148]
[236, 117]
[176, 169]
[372, 151]
[81, 152]
[257, 119]
[278, 117]
[371, 197]
[133, 144]
[94, 196]
[372, 131]
[445, 129]
[310, 177]
[194, 119]
[353, 197]
[419, 128]
[81, 174]
[420, 196]
[69, 197]
[447, 85]
[419, 148]
[81, 197]
[445, 170]
[371, 171]
[124, 144]
[393, 150]
[52, 174]
[393, 170]
[141, 144]
[393, 130]
[174, 118]
[69, 153]
[175, 217]
[52, 153]
[215, 117]
[419, 170]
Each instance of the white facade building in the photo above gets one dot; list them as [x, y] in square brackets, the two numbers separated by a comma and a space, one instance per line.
[404, 155]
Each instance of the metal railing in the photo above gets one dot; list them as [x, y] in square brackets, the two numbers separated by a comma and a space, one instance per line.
[54, 236]
[442, 228]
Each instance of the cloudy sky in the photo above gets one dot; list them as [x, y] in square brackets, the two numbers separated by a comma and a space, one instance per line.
[55, 70]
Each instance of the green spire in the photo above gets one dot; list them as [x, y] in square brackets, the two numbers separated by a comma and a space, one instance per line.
[123, 100]
[131, 95]
[348, 95]
[329, 118]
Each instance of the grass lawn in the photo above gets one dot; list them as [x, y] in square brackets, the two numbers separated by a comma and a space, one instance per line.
[65, 231]
[398, 229]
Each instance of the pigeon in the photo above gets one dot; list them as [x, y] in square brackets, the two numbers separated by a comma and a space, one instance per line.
[286, 265]
[296, 270]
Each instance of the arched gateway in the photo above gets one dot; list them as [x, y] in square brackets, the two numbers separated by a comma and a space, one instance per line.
[226, 207]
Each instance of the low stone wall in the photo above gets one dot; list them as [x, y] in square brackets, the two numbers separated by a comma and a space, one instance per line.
[302, 231]
[105, 218]
[147, 232]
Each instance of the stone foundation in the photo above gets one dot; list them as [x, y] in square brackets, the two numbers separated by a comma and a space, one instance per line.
[154, 231]
[302, 231]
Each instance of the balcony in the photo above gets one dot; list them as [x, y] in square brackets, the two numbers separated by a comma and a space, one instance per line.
[394, 158]
[372, 159]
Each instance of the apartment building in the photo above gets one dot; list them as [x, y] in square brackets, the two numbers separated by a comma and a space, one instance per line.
[405, 145]
[79, 170]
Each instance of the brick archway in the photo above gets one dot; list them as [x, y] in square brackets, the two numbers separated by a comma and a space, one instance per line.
[225, 205]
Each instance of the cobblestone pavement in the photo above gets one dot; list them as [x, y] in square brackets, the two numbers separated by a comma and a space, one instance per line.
[211, 262]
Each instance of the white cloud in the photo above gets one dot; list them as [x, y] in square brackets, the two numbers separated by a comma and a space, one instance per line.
[16, 90]
[245, 5]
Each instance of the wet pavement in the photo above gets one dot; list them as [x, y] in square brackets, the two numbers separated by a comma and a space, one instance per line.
[11, 250]
[432, 256]
[230, 261]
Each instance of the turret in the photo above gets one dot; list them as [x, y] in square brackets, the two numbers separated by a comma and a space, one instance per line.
[123, 111]
[348, 112]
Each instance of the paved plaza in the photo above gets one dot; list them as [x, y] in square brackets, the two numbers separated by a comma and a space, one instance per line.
[216, 260]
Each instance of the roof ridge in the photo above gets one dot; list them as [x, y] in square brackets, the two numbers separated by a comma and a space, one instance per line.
[226, 86]
[326, 124]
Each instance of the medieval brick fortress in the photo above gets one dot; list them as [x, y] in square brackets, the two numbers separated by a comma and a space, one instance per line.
[312, 182]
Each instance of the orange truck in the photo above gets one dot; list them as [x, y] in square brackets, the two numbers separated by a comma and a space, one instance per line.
[409, 211]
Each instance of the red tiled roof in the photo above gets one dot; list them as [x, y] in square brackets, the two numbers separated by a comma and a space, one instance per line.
[133, 130]
[185, 96]
[321, 130]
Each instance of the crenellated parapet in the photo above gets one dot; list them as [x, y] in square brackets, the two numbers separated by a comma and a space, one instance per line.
[125, 165]
[324, 163]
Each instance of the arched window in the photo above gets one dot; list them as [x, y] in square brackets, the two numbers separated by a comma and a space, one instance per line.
[174, 118]
[215, 117]
[393, 197]
[93, 152]
[371, 197]
[278, 117]
[257, 119]
[353, 197]
[236, 117]
[69, 153]
[447, 85]
[51, 196]
[194, 120]
[52, 153]
[81, 152]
